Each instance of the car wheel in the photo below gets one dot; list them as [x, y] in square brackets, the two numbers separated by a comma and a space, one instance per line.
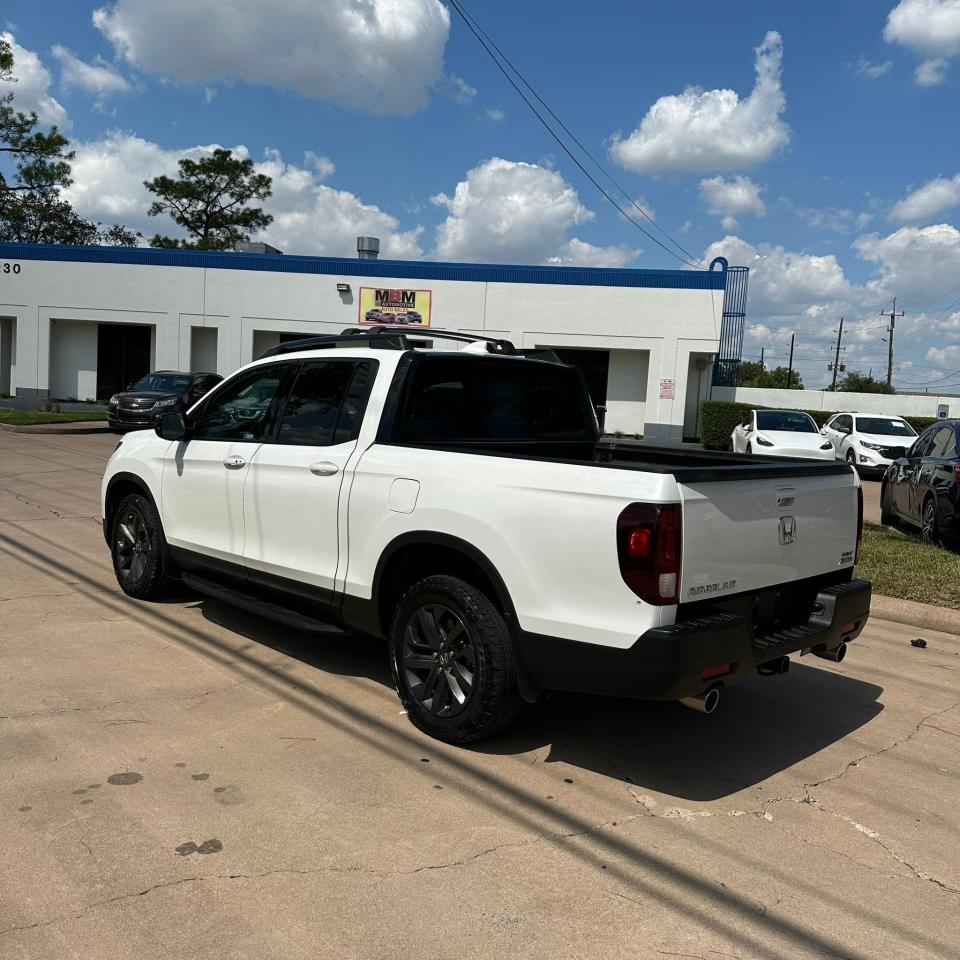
[887, 517]
[929, 528]
[852, 458]
[749, 448]
[136, 544]
[452, 661]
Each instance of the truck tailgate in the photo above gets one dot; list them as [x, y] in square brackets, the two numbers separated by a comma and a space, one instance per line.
[754, 533]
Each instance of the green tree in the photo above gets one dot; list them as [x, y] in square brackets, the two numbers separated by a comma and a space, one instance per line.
[753, 375]
[857, 382]
[209, 200]
[37, 169]
[118, 236]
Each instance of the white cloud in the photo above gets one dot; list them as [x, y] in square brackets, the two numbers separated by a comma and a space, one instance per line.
[913, 262]
[98, 79]
[783, 282]
[836, 219]
[864, 68]
[507, 211]
[309, 216]
[458, 90]
[708, 130]
[931, 73]
[732, 198]
[927, 201]
[380, 56]
[930, 28]
[494, 113]
[31, 91]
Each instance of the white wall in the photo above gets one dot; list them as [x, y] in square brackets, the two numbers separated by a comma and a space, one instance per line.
[627, 391]
[898, 404]
[73, 359]
[203, 349]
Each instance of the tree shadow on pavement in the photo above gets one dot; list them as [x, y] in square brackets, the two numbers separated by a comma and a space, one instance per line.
[763, 725]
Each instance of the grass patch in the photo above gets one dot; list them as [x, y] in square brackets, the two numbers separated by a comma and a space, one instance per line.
[899, 565]
[31, 417]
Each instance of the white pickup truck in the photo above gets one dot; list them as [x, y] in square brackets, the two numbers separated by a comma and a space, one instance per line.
[460, 504]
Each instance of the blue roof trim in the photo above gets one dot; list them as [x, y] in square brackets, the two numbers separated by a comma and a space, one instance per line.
[342, 266]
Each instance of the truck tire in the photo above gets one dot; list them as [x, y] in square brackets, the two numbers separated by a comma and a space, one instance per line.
[452, 661]
[136, 545]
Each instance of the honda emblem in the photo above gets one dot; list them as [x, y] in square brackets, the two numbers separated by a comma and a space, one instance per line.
[788, 529]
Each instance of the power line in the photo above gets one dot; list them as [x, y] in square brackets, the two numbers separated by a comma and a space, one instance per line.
[490, 47]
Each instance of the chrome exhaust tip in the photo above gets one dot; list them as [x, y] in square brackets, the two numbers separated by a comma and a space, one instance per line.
[705, 703]
[834, 656]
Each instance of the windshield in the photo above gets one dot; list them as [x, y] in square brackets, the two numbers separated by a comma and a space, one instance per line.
[886, 428]
[785, 420]
[167, 382]
[472, 399]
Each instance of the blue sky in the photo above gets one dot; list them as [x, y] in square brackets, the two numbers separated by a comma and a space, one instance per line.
[811, 142]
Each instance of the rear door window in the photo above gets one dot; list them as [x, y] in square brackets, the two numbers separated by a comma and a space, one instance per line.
[325, 404]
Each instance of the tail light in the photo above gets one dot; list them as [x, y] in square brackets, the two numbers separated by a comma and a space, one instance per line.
[859, 521]
[956, 473]
[648, 547]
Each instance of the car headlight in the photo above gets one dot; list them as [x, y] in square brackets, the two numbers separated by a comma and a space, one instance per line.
[764, 442]
[870, 446]
[826, 446]
[165, 403]
[114, 400]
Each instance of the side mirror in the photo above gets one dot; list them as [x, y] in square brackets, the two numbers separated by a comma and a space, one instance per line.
[172, 426]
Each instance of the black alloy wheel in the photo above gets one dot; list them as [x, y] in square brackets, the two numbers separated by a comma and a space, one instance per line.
[452, 660]
[439, 660]
[929, 529]
[137, 549]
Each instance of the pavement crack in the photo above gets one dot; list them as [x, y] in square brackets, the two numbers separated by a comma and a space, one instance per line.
[924, 721]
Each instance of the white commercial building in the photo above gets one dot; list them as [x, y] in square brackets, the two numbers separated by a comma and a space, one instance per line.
[82, 322]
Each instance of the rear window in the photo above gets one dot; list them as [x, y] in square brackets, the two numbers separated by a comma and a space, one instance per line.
[474, 399]
[884, 427]
[786, 421]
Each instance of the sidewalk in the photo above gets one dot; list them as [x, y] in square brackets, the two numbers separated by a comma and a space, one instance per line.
[80, 426]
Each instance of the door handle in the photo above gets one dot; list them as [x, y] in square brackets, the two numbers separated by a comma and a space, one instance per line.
[234, 462]
[324, 468]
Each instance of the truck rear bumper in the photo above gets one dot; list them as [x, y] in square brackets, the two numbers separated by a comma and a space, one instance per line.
[669, 662]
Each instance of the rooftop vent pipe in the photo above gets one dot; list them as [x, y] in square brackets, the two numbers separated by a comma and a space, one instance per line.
[368, 248]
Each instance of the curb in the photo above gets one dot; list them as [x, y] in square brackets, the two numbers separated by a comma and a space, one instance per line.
[76, 426]
[921, 616]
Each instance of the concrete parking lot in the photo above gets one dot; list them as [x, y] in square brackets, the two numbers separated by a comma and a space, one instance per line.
[180, 780]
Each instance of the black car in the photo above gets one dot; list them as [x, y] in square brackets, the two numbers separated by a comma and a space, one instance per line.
[160, 392]
[923, 487]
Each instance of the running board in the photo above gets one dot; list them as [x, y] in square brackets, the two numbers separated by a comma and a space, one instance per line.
[263, 608]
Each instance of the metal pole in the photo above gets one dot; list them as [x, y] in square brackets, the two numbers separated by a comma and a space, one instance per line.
[836, 362]
[790, 368]
[761, 359]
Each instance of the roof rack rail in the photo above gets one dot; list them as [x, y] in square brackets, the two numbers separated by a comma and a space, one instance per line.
[385, 338]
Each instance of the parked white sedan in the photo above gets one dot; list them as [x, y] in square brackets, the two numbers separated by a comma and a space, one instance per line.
[871, 442]
[780, 433]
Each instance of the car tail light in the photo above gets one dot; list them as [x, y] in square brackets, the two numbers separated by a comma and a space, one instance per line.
[648, 547]
[859, 521]
[956, 473]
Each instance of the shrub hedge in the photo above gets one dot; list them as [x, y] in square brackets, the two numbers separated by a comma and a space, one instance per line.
[719, 417]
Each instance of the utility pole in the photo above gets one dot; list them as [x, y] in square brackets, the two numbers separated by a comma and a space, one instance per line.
[893, 323]
[761, 359]
[790, 368]
[836, 362]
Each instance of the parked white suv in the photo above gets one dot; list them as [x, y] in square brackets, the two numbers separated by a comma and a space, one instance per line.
[869, 441]
[461, 505]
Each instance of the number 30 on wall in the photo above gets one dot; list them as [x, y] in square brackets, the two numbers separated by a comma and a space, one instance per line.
[10, 268]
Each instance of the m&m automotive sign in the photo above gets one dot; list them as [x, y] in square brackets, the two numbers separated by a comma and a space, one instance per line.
[380, 305]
